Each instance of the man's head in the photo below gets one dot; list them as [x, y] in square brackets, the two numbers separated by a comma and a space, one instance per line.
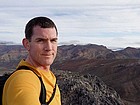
[41, 42]
[43, 22]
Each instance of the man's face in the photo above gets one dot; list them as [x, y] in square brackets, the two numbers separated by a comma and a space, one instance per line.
[43, 46]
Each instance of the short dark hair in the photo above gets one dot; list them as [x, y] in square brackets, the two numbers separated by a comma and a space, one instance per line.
[43, 22]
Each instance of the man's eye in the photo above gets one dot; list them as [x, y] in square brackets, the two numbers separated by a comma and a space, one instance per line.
[40, 40]
[54, 40]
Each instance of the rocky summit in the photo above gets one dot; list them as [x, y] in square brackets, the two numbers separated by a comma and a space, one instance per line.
[85, 90]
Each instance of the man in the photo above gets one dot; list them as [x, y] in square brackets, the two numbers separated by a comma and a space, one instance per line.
[23, 86]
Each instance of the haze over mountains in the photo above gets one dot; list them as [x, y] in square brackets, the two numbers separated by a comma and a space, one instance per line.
[118, 69]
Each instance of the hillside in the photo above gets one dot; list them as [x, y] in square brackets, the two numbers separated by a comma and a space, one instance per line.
[77, 89]
[121, 74]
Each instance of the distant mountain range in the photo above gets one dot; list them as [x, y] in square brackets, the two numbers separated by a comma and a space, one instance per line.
[92, 51]
[6, 43]
[118, 69]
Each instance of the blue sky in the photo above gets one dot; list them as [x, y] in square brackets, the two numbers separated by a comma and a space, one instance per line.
[112, 23]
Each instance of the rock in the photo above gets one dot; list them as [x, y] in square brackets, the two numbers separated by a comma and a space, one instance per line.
[87, 89]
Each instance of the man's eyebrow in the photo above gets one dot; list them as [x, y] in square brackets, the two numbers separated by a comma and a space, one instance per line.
[39, 38]
[55, 38]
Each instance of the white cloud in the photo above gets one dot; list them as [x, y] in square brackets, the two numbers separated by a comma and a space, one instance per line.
[86, 21]
[68, 3]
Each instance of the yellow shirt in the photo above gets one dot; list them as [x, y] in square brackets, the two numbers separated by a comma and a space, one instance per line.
[23, 87]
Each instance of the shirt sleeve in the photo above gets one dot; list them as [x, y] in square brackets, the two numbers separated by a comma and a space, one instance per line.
[22, 88]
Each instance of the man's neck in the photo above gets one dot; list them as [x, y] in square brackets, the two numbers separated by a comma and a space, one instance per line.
[29, 60]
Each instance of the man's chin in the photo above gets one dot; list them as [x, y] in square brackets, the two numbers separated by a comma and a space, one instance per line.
[46, 64]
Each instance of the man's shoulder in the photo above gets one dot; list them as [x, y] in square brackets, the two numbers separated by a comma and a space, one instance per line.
[23, 76]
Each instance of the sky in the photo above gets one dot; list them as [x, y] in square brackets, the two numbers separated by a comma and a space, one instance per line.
[112, 23]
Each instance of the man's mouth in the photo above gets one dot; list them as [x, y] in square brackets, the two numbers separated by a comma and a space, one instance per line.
[47, 54]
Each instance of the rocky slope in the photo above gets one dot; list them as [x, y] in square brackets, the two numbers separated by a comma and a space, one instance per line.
[122, 75]
[85, 90]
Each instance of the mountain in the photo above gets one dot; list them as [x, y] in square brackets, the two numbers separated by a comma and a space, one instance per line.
[92, 51]
[89, 51]
[129, 52]
[10, 55]
[118, 69]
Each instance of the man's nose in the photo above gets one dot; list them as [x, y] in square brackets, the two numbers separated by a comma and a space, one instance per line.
[48, 45]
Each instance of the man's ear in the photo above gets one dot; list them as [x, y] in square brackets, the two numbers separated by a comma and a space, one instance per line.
[26, 44]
